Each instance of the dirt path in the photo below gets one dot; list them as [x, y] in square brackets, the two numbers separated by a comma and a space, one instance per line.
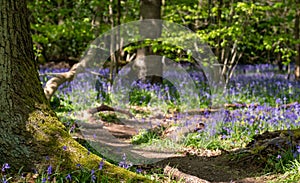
[218, 168]
[113, 140]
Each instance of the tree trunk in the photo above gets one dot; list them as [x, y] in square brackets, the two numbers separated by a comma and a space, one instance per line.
[219, 14]
[21, 96]
[149, 68]
[29, 130]
[297, 62]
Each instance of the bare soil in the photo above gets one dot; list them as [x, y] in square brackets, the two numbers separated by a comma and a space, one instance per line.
[207, 165]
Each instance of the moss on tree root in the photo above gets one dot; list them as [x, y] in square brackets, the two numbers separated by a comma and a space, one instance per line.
[52, 136]
[269, 145]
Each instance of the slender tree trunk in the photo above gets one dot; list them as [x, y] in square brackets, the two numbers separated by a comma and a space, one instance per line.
[113, 64]
[150, 69]
[218, 50]
[29, 130]
[297, 65]
[209, 4]
[118, 38]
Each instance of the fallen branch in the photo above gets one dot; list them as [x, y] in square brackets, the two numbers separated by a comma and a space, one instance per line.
[239, 105]
[174, 173]
[58, 79]
[293, 104]
[104, 107]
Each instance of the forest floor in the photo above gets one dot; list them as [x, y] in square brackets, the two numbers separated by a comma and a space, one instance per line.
[213, 166]
[206, 165]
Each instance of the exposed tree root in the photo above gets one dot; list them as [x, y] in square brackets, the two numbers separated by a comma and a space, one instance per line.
[176, 174]
[51, 132]
[269, 145]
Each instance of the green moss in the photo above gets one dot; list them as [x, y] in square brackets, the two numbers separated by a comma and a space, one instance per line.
[257, 149]
[51, 134]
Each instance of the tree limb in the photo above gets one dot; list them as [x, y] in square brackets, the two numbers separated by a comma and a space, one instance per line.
[58, 79]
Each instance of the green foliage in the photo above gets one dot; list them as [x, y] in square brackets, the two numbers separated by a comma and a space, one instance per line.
[63, 29]
[144, 137]
[145, 97]
[107, 117]
[141, 98]
[288, 163]
[292, 171]
[43, 176]
[257, 28]
[61, 104]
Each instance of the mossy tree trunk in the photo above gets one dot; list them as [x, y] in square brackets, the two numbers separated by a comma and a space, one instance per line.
[29, 130]
[20, 92]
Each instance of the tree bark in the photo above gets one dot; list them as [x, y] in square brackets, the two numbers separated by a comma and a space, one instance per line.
[149, 69]
[21, 95]
[29, 130]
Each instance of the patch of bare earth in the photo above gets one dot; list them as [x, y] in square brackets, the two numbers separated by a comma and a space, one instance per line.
[197, 166]
[215, 166]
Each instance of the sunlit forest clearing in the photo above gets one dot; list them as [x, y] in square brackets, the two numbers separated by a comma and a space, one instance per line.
[149, 91]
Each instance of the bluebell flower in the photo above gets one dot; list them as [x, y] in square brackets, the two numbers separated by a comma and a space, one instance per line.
[101, 164]
[124, 163]
[68, 177]
[93, 176]
[278, 156]
[4, 180]
[278, 101]
[5, 167]
[298, 148]
[138, 170]
[72, 128]
[49, 170]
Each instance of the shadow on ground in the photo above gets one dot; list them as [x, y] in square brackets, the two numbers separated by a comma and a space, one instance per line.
[221, 168]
